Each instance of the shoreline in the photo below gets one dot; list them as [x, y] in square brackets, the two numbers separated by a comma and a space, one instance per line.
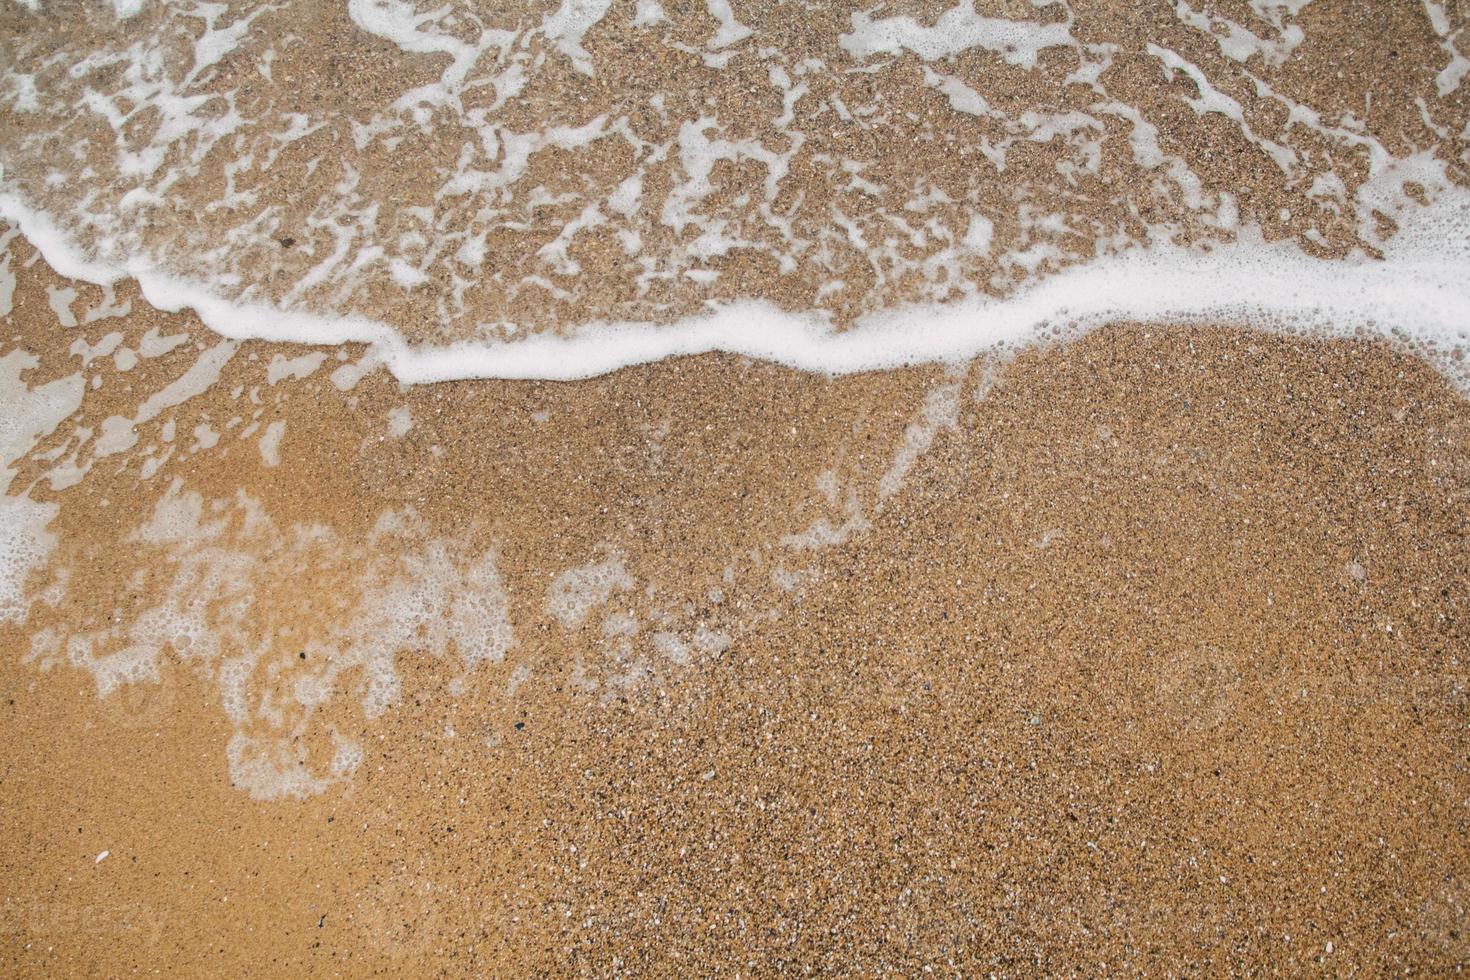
[957, 649]
[978, 488]
[1412, 293]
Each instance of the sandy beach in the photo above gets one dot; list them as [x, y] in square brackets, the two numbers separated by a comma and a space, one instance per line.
[1154, 660]
[1126, 647]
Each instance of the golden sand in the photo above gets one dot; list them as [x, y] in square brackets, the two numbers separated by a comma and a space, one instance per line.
[1142, 652]
[1154, 661]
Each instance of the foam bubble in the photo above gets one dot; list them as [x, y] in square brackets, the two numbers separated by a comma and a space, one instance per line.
[25, 545]
[269, 769]
[400, 420]
[30, 415]
[669, 645]
[712, 641]
[228, 604]
[957, 29]
[282, 368]
[575, 592]
[270, 443]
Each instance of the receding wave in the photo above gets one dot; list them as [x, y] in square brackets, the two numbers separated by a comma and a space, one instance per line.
[562, 190]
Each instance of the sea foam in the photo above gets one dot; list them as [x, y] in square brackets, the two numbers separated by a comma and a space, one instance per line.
[1417, 294]
[612, 206]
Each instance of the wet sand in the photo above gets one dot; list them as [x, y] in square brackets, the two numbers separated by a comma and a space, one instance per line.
[1137, 651]
[1154, 660]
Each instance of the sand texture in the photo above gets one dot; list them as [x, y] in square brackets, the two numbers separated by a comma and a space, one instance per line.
[1136, 649]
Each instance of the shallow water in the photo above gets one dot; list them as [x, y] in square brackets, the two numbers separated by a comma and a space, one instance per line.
[505, 181]
[900, 455]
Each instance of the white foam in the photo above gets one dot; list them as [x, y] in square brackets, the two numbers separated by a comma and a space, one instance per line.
[267, 769]
[1239, 43]
[481, 616]
[402, 24]
[669, 645]
[1453, 73]
[962, 98]
[648, 13]
[282, 368]
[25, 544]
[957, 29]
[152, 345]
[346, 377]
[575, 592]
[7, 281]
[712, 641]
[120, 433]
[270, 443]
[569, 23]
[29, 415]
[228, 607]
[823, 533]
[60, 299]
[1418, 292]
[731, 30]
[1212, 100]
[400, 420]
[941, 411]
